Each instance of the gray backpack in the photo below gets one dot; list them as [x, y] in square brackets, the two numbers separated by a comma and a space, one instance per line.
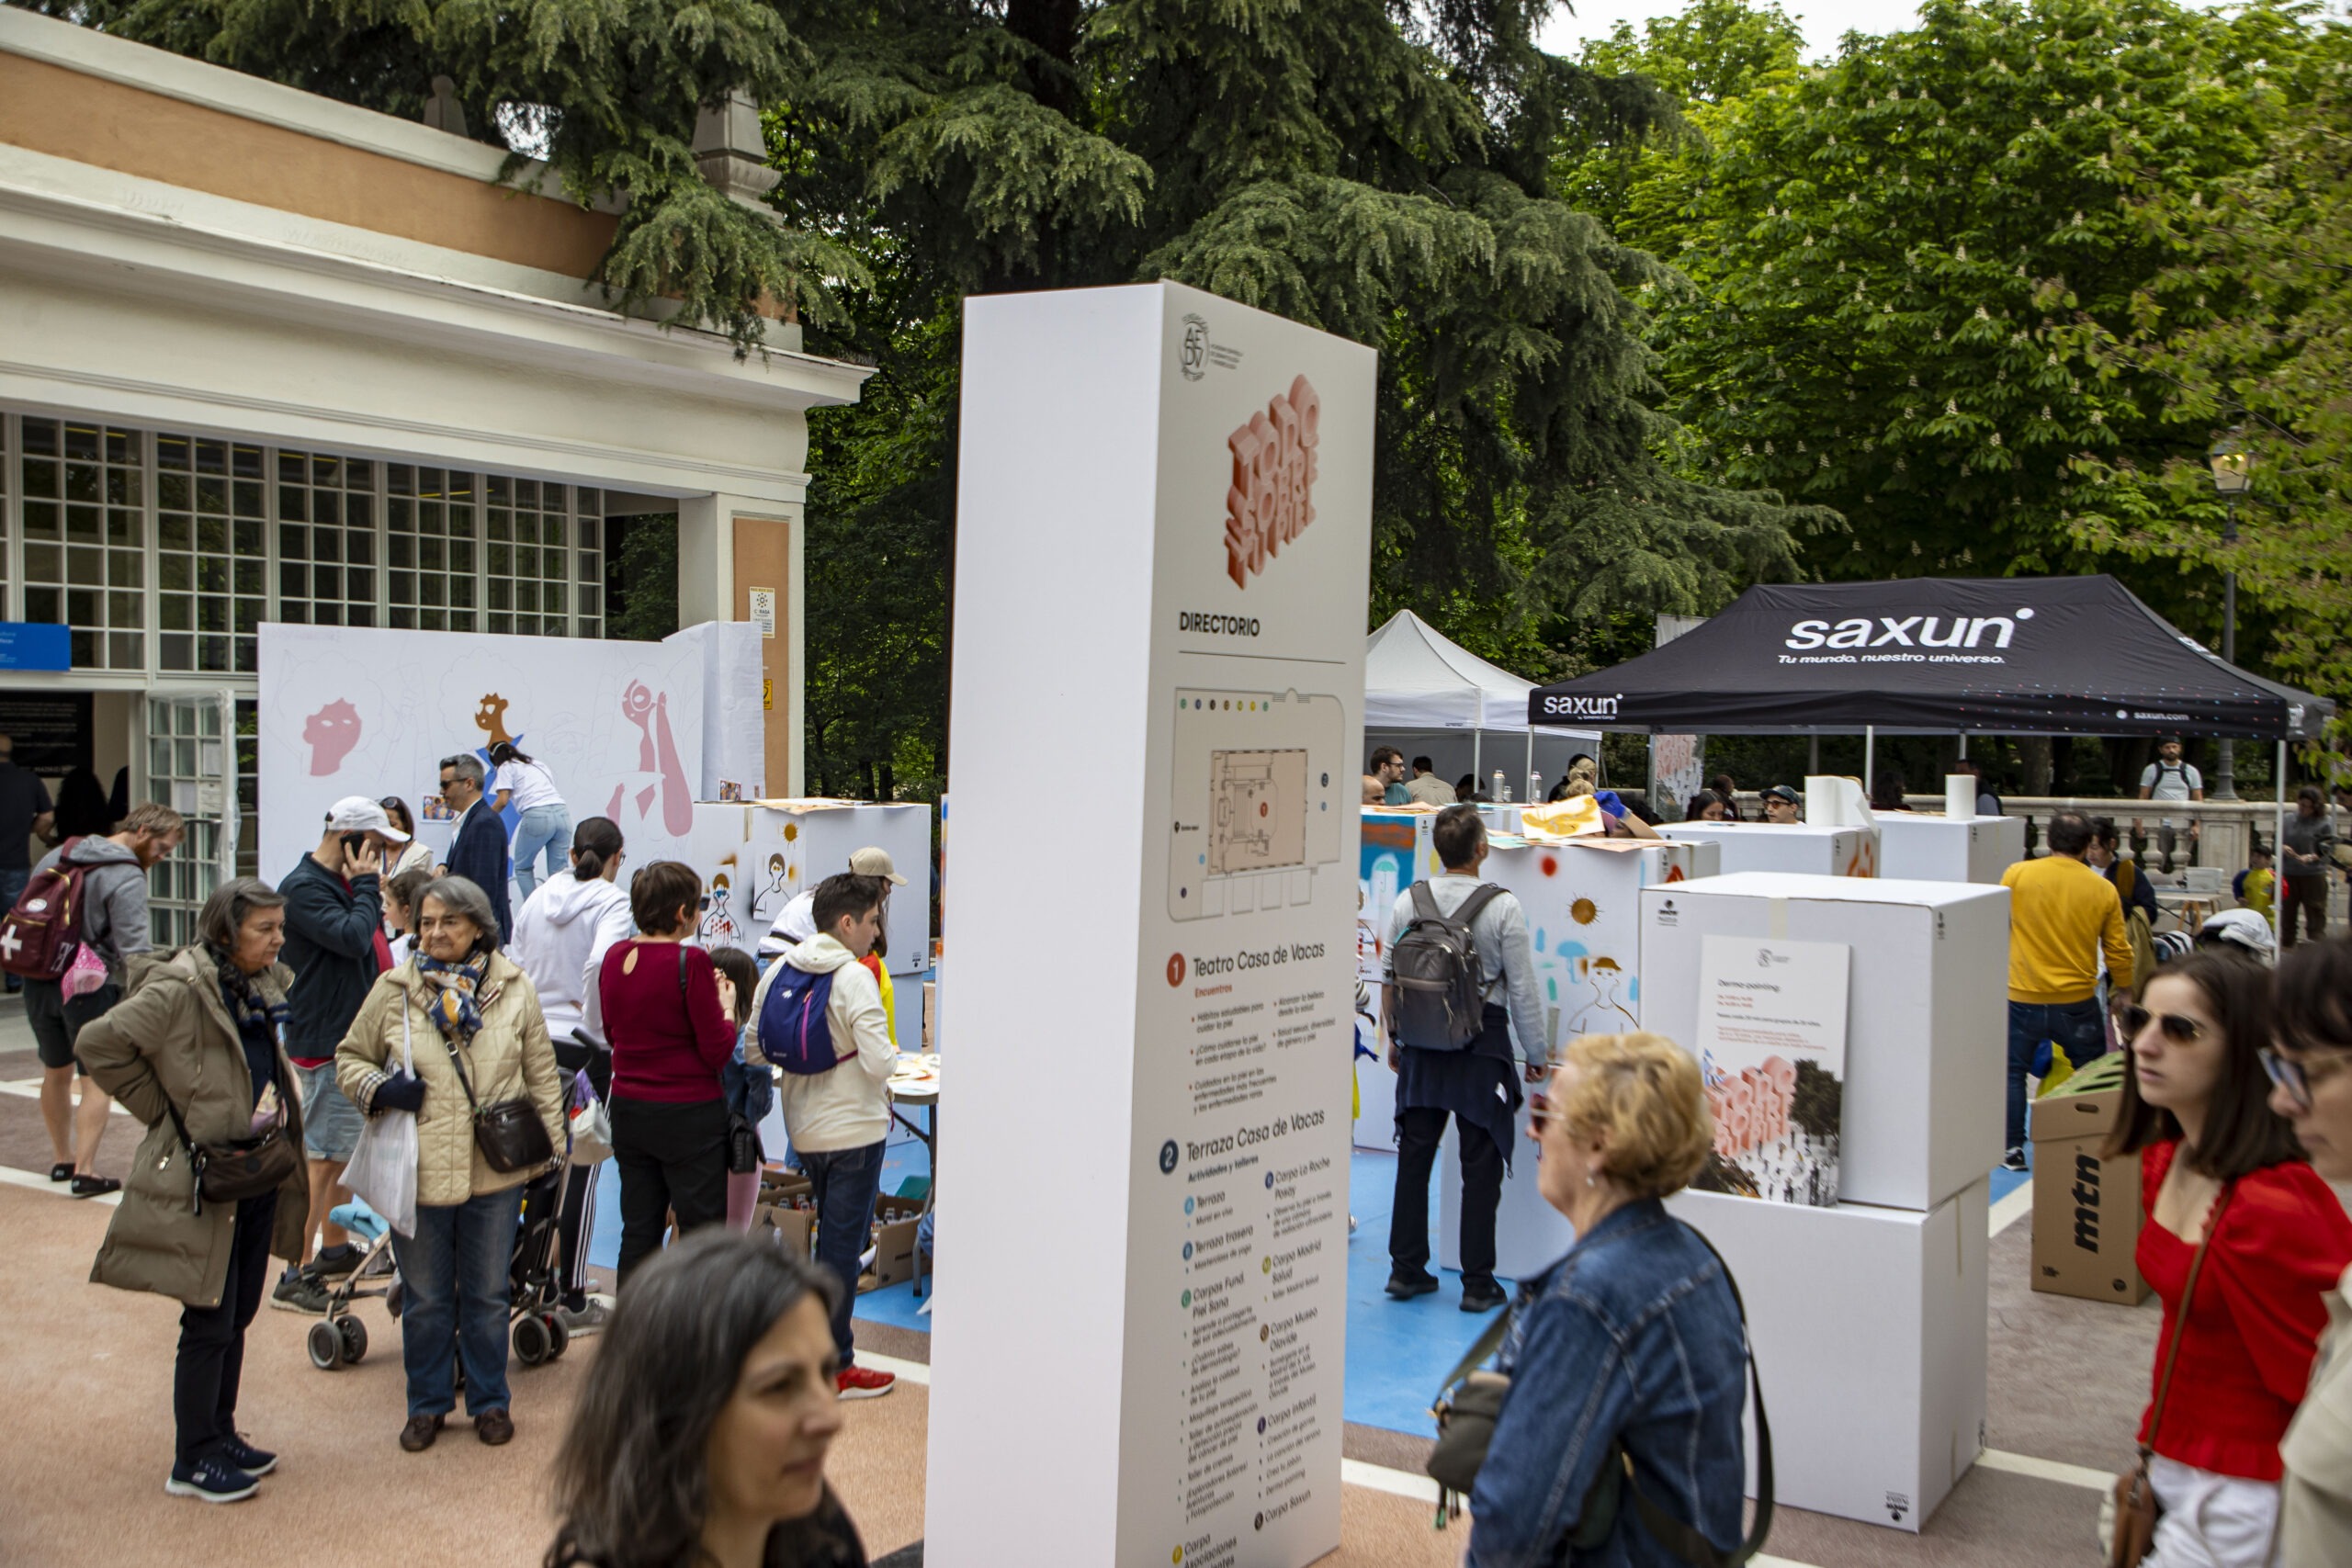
[1440, 985]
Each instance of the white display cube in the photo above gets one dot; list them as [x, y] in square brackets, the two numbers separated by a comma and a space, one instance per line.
[1926, 1023]
[1583, 905]
[1913, 848]
[757, 857]
[1869, 1329]
[1792, 847]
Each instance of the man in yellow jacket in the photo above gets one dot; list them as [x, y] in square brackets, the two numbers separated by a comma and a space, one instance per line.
[2063, 915]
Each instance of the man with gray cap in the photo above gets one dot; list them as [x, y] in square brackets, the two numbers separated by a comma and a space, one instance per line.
[796, 921]
[336, 945]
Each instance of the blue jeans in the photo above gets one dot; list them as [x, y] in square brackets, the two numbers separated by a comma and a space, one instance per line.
[453, 1277]
[542, 826]
[2079, 1027]
[847, 1182]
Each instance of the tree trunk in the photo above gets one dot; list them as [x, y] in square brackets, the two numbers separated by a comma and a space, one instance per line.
[2033, 762]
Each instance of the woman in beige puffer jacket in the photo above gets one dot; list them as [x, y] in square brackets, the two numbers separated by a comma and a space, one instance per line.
[458, 996]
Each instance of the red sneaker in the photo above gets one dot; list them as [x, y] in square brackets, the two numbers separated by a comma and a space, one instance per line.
[861, 1382]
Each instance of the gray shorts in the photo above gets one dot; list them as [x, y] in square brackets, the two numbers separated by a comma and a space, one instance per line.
[330, 1121]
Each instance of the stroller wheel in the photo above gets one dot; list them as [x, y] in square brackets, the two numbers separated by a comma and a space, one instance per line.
[394, 1300]
[354, 1339]
[558, 1337]
[326, 1345]
[531, 1340]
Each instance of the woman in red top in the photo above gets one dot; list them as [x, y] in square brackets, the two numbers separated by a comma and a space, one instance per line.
[671, 1018]
[2214, 1158]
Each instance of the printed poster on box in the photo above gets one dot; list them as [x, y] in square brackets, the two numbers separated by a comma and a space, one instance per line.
[1772, 1051]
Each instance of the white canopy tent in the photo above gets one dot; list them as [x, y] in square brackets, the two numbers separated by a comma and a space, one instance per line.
[1428, 696]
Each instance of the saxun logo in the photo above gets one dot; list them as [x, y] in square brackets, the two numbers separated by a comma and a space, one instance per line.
[1906, 631]
[1581, 707]
[1272, 499]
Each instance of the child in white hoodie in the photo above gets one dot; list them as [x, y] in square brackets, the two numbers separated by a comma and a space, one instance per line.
[839, 1119]
[561, 935]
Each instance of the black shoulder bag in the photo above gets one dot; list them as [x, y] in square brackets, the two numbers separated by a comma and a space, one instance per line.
[742, 1138]
[508, 1132]
[1472, 1401]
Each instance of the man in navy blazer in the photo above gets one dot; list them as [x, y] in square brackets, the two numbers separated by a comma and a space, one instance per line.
[478, 852]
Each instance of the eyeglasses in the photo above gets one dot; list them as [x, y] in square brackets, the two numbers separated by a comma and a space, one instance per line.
[1539, 1112]
[2296, 1076]
[2131, 1019]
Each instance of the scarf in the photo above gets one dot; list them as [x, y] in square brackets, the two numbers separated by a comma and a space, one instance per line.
[245, 1002]
[452, 1007]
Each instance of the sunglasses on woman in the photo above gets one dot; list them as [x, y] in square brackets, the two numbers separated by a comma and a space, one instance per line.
[2296, 1076]
[2131, 1019]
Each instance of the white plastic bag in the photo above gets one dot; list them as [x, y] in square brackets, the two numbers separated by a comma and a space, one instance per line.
[592, 1130]
[382, 1172]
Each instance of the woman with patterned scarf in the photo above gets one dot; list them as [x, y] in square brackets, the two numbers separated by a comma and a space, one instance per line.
[457, 1006]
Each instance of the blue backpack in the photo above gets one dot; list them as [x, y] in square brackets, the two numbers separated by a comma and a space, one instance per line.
[794, 1033]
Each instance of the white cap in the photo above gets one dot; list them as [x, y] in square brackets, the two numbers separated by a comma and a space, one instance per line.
[358, 814]
[2245, 928]
[874, 862]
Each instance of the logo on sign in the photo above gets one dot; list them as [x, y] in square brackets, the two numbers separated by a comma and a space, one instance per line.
[1271, 499]
[1906, 631]
[1192, 356]
[1581, 707]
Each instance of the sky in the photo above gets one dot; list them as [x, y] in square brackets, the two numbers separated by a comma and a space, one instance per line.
[1824, 20]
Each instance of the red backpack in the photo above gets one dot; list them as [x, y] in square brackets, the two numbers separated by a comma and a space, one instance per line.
[37, 937]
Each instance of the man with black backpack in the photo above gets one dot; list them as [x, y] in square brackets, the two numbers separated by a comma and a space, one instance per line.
[1456, 949]
[817, 1015]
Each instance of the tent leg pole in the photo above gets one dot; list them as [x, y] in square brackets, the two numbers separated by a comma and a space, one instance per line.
[1531, 769]
[2277, 842]
[1478, 739]
[1813, 756]
[1963, 745]
[1870, 757]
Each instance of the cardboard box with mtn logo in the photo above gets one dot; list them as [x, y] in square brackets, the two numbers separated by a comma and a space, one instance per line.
[2086, 1209]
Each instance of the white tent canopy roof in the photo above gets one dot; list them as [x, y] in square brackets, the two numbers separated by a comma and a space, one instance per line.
[1414, 678]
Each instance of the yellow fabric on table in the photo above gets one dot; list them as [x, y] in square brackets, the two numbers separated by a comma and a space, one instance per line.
[1571, 819]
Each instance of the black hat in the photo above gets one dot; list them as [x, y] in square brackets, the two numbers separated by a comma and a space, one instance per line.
[1781, 792]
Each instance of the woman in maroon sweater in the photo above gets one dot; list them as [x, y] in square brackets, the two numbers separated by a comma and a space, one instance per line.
[671, 1020]
[2216, 1162]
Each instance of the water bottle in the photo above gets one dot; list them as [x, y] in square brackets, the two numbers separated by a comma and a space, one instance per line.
[1502, 790]
[1534, 787]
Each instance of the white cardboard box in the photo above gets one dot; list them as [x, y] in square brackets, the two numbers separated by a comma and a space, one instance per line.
[1926, 1024]
[1583, 905]
[767, 852]
[1869, 1327]
[1914, 848]
[1795, 847]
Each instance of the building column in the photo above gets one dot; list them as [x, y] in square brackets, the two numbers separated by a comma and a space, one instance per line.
[732, 552]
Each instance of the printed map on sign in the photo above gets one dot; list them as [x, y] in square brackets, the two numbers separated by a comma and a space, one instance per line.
[1773, 1050]
[1258, 819]
[1255, 812]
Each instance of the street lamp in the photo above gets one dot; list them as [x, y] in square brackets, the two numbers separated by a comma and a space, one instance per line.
[2232, 476]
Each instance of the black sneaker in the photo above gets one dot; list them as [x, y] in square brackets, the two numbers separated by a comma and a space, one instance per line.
[242, 1455]
[1405, 1287]
[336, 1262]
[298, 1292]
[211, 1481]
[2014, 1160]
[1482, 1297]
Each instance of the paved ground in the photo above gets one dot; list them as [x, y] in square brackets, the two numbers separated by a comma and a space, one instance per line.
[2067, 1381]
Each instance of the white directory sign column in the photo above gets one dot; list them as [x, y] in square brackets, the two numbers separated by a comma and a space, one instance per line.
[1163, 539]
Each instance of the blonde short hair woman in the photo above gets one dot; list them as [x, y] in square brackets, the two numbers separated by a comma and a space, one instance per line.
[1633, 1337]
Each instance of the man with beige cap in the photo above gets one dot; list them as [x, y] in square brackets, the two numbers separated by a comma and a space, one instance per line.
[796, 921]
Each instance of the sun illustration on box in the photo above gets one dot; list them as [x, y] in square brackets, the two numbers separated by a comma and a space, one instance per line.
[1584, 911]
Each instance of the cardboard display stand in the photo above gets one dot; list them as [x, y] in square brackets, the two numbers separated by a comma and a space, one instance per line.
[1795, 847]
[1916, 847]
[1927, 1022]
[2087, 1214]
[1869, 1327]
[1162, 553]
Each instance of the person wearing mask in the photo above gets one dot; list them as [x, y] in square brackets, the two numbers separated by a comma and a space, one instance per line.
[1707, 806]
[1783, 805]
[1633, 1337]
[542, 823]
[1478, 1086]
[2106, 856]
[413, 855]
[459, 999]
[115, 925]
[669, 1018]
[839, 1120]
[2311, 1049]
[193, 1054]
[1425, 788]
[796, 921]
[1388, 767]
[336, 945]
[2306, 851]
[84, 808]
[25, 814]
[702, 1426]
[2063, 918]
[750, 1084]
[478, 845]
[2221, 1174]
[561, 939]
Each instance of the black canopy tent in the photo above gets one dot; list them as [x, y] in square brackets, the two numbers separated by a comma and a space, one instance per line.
[1932, 656]
[1936, 654]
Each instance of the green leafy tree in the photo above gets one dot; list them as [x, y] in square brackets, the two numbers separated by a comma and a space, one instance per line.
[1888, 257]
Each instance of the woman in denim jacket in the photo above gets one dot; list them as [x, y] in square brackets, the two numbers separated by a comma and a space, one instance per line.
[1633, 1335]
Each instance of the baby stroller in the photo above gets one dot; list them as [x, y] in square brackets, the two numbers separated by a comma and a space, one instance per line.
[535, 1287]
[338, 1338]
